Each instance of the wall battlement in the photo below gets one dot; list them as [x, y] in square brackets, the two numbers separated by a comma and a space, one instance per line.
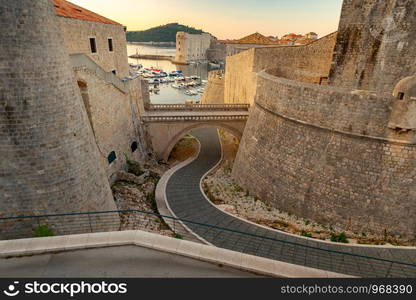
[356, 112]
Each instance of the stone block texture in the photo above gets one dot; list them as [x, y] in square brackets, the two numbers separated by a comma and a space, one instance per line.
[375, 45]
[309, 63]
[77, 34]
[192, 47]
[49, 159]
[214, 90]
[327, 139]
[326, 154]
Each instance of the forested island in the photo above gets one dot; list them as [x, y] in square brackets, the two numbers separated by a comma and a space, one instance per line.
[163, 33]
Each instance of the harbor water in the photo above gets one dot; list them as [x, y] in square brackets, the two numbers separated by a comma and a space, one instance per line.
[167, 94]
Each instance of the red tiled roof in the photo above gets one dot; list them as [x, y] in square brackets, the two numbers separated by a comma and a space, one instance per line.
[255, 38]
[69, 10]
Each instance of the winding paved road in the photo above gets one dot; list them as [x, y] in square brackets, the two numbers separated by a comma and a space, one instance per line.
[187, 202]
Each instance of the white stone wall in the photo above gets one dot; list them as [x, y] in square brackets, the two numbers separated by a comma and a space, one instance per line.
[114, 117]
[77, 33]
[192, 47]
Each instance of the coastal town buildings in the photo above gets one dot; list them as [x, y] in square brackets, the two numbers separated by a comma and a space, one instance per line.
[192, 47]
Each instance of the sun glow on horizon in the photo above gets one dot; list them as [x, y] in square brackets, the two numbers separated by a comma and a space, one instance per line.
[224, 19]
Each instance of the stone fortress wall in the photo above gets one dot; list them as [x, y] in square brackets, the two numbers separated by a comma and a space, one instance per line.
[325, 153]
[49, 157]
[376, 45]
[114, 117]
[113, 112]
[217, 52]
[309, 63]
[328, 152]
[214, 90]
[77, 34]
[192, 47]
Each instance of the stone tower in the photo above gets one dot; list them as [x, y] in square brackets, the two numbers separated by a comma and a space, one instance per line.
[49, 160]
[376, 44]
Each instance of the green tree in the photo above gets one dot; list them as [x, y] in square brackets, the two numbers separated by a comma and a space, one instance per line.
[163, 33]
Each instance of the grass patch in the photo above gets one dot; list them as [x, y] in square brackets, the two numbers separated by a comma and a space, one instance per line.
[43, 231]
[178, 236]
[306, 234]
[339, 238]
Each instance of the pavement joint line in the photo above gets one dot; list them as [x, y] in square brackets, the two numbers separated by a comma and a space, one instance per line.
[207, 253]
[287, 233]
[291, 238]
[162, 200]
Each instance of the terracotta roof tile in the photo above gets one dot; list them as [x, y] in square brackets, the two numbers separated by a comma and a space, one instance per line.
[255, 38]
[69, 10]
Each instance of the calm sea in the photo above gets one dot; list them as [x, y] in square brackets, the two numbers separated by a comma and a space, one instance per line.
[167, 94]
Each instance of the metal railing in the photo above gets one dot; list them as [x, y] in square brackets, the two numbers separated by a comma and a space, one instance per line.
[200, 107]
[307, 254]
[194, 118]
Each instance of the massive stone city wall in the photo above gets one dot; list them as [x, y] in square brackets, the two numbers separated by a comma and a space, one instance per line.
[217, 52]
[77, 33]
[361, 113]
[214, 90]
[309, 63]
[49, 159]
[240, 80]
[306, 149]
[192, 47]
[114, 117]
[376, 44]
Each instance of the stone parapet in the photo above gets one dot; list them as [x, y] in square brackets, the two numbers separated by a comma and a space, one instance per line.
[325, 154]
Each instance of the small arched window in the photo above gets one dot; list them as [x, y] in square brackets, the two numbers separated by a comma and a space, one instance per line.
[400, 96]
[111, 157]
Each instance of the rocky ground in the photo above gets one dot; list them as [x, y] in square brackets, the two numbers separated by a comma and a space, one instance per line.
[135, 189]
[229, 197]
[184, 149]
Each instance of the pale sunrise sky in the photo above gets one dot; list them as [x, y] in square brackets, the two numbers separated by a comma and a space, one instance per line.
[224, 18]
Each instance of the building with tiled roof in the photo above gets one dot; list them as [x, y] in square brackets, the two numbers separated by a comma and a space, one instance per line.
[292, 36]
[255, 38]
[311, 35]
[98, 37]
[69, 10]
[304, 41]
[97, 48]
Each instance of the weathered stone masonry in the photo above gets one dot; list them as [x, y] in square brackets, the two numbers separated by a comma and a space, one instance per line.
[49, 160]
[310, 63]
[317, 152]
[114, 102]
[375, 45]
[342, 154]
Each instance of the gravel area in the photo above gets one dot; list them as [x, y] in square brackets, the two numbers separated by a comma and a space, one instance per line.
[135, 189]
[223, 191]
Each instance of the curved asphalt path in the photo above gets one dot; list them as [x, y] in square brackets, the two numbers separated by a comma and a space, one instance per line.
[187, 202]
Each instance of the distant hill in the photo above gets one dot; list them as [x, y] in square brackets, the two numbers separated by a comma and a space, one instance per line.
[164, 33]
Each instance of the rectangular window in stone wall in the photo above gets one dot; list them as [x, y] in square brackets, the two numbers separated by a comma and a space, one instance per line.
[110, 45]
[134, 146]
[111, 157]
[93, 45]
